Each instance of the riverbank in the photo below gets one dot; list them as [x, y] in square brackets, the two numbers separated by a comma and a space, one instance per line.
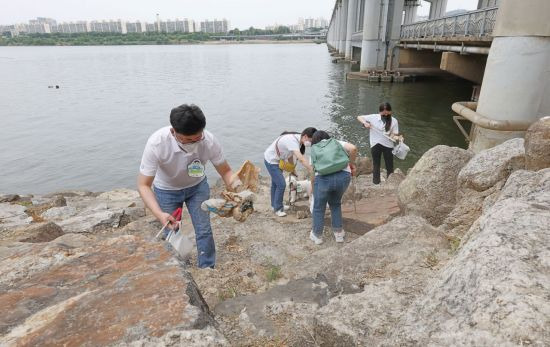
[110, 39]
[453, 253]
[179, 43]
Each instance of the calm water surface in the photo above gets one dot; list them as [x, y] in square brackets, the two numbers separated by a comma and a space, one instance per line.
[90, 133]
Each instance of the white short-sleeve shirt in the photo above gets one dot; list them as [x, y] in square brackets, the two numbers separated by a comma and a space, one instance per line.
[286, 145]
[376, 135]
[172, 167]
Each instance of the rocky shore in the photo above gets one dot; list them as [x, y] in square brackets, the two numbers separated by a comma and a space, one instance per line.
[453, 253]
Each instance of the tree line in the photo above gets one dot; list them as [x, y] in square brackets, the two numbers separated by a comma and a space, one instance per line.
[92, 39]
[147, 38]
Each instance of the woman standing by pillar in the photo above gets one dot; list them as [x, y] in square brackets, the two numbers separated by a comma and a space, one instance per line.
[383, 128]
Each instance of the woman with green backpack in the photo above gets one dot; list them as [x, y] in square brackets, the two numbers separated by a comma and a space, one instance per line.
[333, 163]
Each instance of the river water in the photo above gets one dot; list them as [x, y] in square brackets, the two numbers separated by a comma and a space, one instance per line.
[90, 133]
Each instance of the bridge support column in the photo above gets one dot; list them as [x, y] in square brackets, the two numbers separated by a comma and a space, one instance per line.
[371, 45]
[516, 83]
[393, 33]
[351, 22]
[337, 28]
[438, 8]
[343, 26]
[410, 14]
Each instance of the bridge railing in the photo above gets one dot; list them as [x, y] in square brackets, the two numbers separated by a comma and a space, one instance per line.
[477, 24]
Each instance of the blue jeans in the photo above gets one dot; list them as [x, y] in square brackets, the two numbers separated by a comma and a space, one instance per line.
[329, 188]
[170, 200]
[278, 185]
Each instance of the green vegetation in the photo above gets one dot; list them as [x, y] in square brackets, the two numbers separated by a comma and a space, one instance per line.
[280, 30]
[148, 38]
[273, 273]
[24, 203]
[454, 243]
[104, 39]
[228, 294]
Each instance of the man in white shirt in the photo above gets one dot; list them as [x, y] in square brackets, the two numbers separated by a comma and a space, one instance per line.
[172, 172]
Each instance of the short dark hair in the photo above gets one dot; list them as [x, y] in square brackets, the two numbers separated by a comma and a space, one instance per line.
[319, 136]
[187, 119]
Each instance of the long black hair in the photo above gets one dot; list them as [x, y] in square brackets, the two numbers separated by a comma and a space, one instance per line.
[385, 106]
[319, 136]
[307, 131]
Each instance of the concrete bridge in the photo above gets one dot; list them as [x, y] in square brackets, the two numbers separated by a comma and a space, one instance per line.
[503, 47]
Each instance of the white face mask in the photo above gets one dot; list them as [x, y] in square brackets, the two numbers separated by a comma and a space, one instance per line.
[192, 147]
[307, 143]
[189, 147]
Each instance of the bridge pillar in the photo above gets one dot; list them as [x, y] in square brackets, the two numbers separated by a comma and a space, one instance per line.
[351, 22]
[393, 33]
[330, 34]
[343, 26]
[438, 8]
[516, 83]
[337, 28]
[371, 45]
[410, 14]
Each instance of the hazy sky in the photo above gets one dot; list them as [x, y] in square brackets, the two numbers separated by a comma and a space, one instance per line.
[241, 13]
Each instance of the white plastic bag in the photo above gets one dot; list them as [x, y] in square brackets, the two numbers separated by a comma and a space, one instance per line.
[401, 150]
[181, 243]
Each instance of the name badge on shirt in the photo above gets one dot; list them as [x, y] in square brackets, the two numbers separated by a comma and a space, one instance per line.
[195, 169]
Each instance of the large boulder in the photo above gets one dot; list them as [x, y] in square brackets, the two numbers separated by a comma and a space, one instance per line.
[110, 292]
[363, 166]
[34, 233]
[480, 181]
[491, 166]
[8, 197]
[120, 194]
[430, 186]
[13, 215]
[534, 186]
[277, 310]
[59, 213]
[92, 212]
[392, 263]
[495, 291]
[537, 145]
[92, 221]
[403, 243]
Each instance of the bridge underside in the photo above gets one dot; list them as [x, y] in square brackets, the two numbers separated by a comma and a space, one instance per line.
[430, 57]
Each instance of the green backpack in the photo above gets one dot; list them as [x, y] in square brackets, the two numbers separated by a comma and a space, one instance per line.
[328, 156]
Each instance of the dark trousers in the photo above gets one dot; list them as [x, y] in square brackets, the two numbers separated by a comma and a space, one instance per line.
[377, 152]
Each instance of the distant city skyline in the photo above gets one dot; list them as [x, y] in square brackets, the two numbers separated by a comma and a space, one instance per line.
[45, 25]
[242, 13]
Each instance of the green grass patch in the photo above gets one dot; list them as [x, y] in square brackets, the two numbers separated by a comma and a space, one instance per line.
[273, 273]
[454, 243]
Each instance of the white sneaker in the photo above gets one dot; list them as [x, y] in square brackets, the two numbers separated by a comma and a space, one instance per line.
[286, 208]
[339, 236]
[315, 239]
[280, 213]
